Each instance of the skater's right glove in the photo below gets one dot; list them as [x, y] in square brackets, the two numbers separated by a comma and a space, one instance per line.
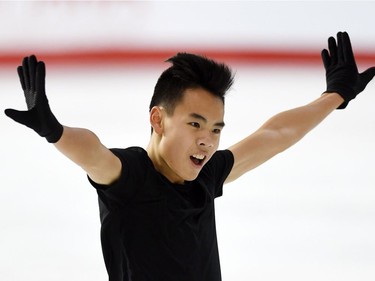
[39, 116]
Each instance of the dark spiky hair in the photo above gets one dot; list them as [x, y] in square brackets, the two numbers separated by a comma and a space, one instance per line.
[189, 71]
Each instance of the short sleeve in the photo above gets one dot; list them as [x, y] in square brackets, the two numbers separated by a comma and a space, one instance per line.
[217, 170]
[134, 164]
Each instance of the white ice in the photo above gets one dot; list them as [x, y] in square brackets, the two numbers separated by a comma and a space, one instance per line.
[307, 214]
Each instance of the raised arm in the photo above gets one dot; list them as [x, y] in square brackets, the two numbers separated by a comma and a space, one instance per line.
[80, 145]
[84, 148]
[279, 133]
[283, 130]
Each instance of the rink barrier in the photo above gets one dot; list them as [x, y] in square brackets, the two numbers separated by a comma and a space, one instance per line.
[112, 57]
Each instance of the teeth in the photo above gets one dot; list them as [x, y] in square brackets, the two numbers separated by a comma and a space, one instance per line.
[198, 156]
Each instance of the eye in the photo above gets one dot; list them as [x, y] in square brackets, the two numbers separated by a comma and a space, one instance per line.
[195, 124]
[216, 131]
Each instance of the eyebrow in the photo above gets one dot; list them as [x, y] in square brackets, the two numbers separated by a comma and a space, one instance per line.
[198, 116]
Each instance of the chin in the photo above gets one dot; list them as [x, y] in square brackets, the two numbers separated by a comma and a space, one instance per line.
[191, 177]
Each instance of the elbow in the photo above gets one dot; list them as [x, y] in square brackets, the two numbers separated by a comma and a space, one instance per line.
[288, 137]
[281, 138]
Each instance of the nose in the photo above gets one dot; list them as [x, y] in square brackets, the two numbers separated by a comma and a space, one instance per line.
[206, 145]
[206, 141]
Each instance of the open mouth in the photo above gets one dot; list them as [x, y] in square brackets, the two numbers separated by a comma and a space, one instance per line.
[197, 159]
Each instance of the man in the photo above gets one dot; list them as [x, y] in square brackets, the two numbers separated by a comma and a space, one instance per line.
[157, 204]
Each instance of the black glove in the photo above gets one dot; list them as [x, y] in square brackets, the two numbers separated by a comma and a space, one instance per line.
[341, 70]
[38, 116]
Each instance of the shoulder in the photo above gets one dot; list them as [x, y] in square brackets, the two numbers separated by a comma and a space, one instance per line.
[131, 154]
[220, 164]
[226, 155]
[216, 171]
[221, 158]
[134, 162]
[132, 150]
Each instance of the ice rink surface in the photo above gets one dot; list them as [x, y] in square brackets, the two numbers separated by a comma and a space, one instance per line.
[307, 214]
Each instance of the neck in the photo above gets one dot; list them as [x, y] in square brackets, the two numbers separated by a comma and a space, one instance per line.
[159, 163]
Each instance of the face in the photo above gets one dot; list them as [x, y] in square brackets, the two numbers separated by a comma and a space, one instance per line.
[189, 137]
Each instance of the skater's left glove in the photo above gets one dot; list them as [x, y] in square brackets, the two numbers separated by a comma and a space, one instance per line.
[341, 70]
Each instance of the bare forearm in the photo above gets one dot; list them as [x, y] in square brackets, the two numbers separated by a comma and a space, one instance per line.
[293, 124]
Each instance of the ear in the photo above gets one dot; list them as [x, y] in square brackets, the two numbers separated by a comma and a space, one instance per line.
[156, 117]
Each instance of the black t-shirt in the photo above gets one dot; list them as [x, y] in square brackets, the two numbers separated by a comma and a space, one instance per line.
[153, 230]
